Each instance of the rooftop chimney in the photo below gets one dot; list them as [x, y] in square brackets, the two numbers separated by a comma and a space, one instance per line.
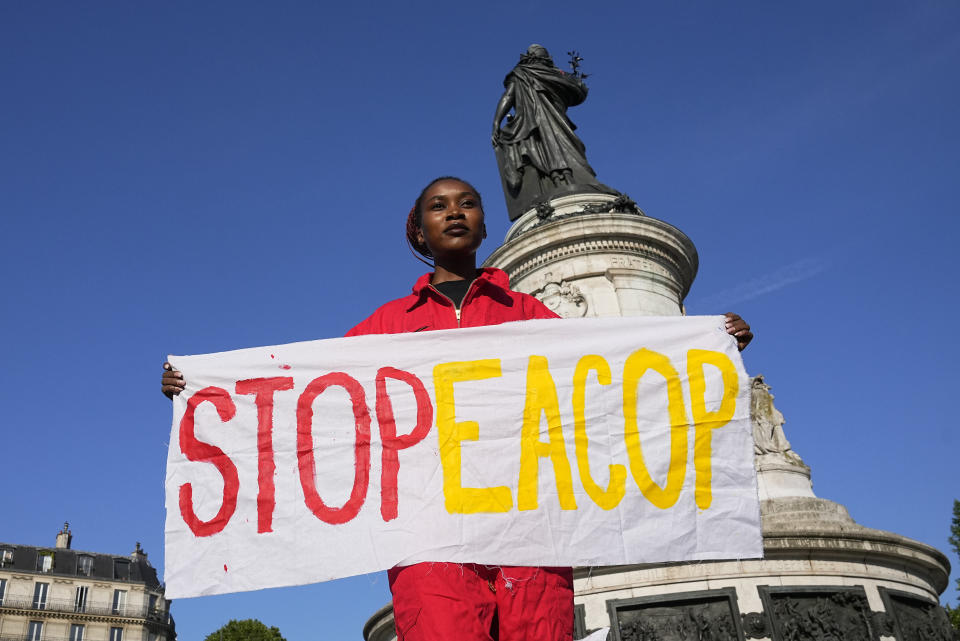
[139, 554]
[64, 537]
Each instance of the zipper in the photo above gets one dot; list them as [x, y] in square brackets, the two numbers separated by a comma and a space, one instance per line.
[456, 310]
[473, 283]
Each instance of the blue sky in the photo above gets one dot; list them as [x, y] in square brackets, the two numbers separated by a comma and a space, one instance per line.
[193, 177]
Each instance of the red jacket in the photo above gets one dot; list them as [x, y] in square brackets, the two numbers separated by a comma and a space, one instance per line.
[489, 301]
[452, 600]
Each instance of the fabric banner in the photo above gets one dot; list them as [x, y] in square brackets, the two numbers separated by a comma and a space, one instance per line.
[599, 441]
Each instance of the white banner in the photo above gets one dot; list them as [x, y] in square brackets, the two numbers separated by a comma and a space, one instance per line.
[554, 442]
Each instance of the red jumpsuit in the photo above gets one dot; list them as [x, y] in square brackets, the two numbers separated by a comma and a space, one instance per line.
[469, 602]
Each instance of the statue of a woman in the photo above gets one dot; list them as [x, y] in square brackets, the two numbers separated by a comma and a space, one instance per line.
[538, 154]
[768, 435]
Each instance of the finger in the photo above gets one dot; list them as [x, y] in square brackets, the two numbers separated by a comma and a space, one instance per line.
[172, 378]
[168, 367]
[737, 322]
[739, 326]
[170, 392]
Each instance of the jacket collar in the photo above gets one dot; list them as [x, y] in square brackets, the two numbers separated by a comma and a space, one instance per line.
[488, 275]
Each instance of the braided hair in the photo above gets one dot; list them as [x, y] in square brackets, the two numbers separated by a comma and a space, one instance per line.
[415, 217]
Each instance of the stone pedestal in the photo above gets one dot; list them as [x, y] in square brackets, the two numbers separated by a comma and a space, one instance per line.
[603, 263]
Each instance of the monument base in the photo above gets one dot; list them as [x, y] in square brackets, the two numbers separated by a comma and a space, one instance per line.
[583, 257]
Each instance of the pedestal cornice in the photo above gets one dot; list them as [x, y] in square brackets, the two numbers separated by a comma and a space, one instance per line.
[604, 233]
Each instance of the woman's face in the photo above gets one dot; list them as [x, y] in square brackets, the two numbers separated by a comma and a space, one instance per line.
[452, 219]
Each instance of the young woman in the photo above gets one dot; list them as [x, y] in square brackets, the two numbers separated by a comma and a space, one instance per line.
[434, 601]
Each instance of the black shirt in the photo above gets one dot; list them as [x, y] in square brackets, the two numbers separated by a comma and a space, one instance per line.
[455, 290]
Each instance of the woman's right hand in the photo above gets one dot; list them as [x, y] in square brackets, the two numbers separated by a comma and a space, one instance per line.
[172, 382]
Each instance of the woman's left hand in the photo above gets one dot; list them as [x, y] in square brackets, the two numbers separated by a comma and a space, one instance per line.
[738, 328]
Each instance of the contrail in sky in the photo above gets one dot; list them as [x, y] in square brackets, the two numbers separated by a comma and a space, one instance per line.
[768, 282]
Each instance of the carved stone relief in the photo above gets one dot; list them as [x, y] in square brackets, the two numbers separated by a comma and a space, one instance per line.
[820, 614]
[561, 297]
[755, 625]
[707, 617]
[916, 619]
[544, 210]
[622, 204]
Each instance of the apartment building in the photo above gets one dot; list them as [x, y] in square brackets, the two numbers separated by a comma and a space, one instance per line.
[61, 594]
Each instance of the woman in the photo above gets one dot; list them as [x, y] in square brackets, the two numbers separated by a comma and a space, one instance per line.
[435, 601]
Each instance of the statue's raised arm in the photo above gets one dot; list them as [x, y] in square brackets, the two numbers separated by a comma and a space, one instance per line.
[538, 153]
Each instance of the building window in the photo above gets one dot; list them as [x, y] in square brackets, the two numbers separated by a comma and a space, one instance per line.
[76, 632]
[80, 603]
[116, 634]
[44, 561]
[85, 564]
[6, 557]
[34, 631]
[40, 596]
[3, 589]
[121, 569]
[119, 601]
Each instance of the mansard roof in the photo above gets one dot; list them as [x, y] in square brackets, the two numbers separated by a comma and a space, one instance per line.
[66, 562]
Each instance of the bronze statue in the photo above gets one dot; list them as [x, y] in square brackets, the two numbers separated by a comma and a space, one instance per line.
[538, 153]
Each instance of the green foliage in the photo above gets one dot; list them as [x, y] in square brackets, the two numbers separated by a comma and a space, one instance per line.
[246, 630]
[954, 613]
[955, 531]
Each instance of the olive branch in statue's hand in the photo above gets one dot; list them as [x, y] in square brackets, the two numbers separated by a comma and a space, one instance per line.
[575, 60]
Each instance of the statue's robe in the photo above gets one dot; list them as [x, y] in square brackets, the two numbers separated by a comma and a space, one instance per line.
[539, 139]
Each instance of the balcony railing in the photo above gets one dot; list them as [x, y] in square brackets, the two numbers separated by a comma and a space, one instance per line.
[25, 636]
[100, 609]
